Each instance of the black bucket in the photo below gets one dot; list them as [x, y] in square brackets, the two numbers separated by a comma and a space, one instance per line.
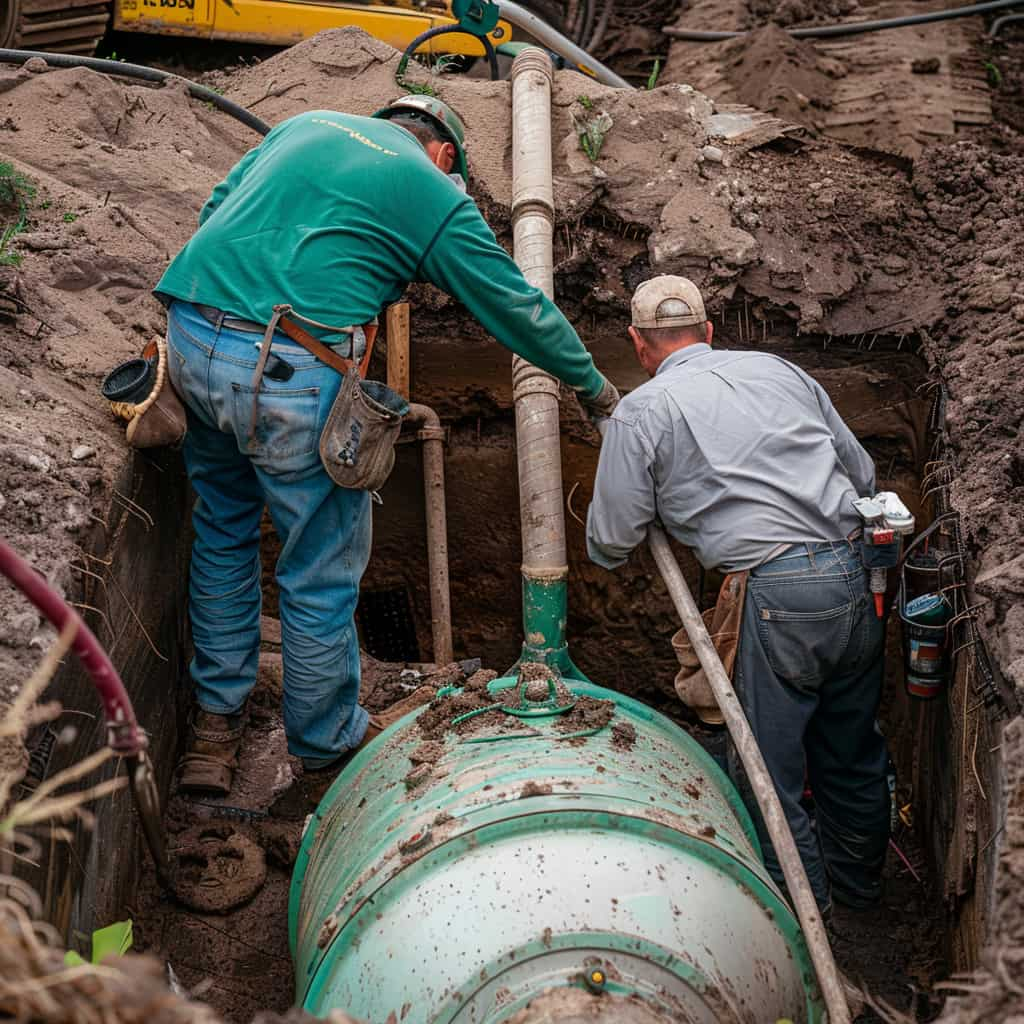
[130, 382]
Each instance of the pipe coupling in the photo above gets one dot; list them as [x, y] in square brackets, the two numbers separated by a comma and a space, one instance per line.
[533, 58]
[528, 379]
[536, 206]
[544, 574]
[433, 434]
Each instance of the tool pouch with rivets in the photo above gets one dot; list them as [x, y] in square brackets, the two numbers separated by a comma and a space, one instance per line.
[357, 446]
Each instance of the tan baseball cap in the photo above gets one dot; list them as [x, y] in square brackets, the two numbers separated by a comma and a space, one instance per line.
[668, 301]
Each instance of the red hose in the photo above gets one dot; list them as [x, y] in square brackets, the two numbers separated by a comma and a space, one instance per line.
[124, 736]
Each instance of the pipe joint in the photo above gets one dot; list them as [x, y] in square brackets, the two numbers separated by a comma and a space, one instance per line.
[528, 379]
[535, 206]
[532, 58]
[433, 434]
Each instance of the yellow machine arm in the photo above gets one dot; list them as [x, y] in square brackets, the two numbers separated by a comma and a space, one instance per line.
[284, 22]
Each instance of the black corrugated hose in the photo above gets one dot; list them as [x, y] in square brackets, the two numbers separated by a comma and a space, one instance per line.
[440, 30]
[145, 74]
[851, 28]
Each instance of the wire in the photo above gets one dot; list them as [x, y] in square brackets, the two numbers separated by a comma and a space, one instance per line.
[853, 27]
[140, 71]
[1006, 19]
[440, 30]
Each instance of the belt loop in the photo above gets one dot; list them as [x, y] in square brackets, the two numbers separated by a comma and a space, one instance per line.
[810, 554]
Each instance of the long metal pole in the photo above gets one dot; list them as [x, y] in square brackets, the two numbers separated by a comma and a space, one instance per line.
[563, 46]
[760, 781]
[432, 435]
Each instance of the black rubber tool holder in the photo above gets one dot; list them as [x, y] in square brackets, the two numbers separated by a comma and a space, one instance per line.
[124, 736]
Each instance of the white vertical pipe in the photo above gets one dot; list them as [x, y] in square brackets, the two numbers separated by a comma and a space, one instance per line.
[535, 392]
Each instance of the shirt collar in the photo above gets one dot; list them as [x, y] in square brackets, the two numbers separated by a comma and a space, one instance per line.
[682, 355]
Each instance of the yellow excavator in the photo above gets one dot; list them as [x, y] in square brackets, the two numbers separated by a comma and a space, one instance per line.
[471, 28]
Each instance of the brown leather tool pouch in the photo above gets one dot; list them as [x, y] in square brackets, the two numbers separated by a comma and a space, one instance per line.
[156, 418]
[723, 624]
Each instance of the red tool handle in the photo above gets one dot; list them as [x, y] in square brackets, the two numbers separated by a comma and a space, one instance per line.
[124, 736]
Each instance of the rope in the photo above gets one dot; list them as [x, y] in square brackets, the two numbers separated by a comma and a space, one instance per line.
[127, 411]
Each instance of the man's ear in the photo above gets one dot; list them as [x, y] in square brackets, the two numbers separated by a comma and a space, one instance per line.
[638, 342]
[710, 332]
[446, 157]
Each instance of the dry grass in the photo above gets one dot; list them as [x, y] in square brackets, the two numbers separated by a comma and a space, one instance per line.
[35, 983]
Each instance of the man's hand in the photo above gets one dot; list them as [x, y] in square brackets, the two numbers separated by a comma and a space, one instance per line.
[602, 405]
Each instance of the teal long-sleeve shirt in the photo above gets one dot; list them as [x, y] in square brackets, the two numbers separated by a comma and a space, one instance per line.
[336, 215]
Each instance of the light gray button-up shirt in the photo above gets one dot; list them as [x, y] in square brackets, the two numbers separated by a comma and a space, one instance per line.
[737, 453]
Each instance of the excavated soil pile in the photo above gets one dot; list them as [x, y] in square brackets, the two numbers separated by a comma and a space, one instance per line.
[897, 91]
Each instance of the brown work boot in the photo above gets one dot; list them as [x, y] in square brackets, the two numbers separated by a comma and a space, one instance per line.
[208, 766]
[303, 795]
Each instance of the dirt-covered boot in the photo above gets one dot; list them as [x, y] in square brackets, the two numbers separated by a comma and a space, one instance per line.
[302, 796]
[208, 766]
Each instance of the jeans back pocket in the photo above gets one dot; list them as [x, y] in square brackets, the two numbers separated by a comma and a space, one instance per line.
[285, 424]
[804, 645]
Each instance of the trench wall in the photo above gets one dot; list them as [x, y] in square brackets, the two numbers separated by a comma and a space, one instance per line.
[130, 587]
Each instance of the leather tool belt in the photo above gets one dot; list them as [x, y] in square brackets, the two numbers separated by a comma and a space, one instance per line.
[357, 444]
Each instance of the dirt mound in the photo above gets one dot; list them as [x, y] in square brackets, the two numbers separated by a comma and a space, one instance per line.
[898, 91]
[767, 69]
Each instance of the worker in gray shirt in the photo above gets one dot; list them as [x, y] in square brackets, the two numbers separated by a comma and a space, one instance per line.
[742, 457]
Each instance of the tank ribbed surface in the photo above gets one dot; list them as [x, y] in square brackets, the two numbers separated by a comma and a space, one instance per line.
[516, 867]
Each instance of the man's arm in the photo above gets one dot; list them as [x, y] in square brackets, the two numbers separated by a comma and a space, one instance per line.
[855, 460]
[221, 191]
[624, 496]
[466, 261]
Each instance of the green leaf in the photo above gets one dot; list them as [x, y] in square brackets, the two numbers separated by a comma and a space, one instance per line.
[652, 81]
[72, 959]
[114, 940]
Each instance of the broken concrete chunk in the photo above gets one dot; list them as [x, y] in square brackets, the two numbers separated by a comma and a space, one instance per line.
[713, 154]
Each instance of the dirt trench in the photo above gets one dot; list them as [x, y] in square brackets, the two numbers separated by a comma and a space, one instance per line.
[895, 283]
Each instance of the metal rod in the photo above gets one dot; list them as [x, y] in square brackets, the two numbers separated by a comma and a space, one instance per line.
[432, 435]
[560, 44]
[852, 28]
[760, 781]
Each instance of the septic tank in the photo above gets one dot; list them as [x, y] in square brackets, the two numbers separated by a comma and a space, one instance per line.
[519, 850]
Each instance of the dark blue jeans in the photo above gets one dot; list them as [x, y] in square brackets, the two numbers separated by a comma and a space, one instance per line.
[809, 675]
[324, 532]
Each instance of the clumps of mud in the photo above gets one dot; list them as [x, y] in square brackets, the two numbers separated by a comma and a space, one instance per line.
[474, 711]
[213, 868]
[623, 736]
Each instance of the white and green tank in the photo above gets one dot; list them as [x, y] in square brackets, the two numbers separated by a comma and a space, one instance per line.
[535, 854]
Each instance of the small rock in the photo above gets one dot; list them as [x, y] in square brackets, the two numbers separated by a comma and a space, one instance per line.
[1018, 315]
[186, 153]
[599, 172]
[925, 66]
[82, 452]
[965, 231]
[750, 221]
[35, 65]
[713, 154]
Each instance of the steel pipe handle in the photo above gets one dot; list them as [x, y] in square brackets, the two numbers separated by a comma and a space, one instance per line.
[757, 772]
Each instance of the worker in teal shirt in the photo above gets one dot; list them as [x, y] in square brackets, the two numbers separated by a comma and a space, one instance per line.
[335, 215]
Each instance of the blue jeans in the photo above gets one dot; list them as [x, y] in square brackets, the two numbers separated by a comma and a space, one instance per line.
[324, 532]
[809, 675]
